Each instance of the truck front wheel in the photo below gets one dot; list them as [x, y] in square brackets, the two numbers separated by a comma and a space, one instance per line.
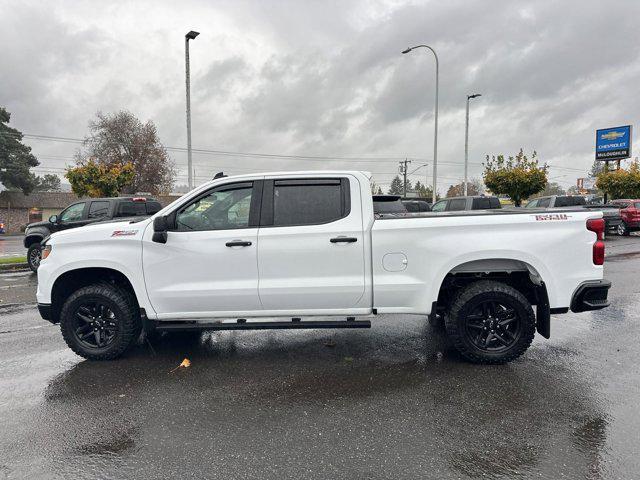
[490, 322]
[33, 256]
[100, 321]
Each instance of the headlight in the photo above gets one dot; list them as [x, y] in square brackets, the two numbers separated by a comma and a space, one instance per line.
[46, 251]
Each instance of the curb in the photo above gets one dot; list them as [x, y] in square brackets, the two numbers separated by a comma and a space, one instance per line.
[14, 267]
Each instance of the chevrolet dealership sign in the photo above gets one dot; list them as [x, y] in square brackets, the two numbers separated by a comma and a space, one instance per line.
[613, 143]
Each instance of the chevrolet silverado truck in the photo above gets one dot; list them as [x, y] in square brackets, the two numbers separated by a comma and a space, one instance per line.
[304, 250]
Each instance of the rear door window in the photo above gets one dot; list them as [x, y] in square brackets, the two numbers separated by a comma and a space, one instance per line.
[457, 204]
[99, 209]
[310, 201]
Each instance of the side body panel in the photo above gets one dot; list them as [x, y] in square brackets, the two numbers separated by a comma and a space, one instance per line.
[96, 246]
[558, 249]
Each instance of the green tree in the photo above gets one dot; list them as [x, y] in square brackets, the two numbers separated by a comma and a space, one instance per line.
[120, 138]
[396, 186]
[422, 190]
[15, 158]
[93, 179]
[518, 177]
[48, 183]
[623, 183]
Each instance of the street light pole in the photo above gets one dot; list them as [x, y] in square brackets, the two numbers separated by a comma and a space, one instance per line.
[189, 36]
[435, 135]
[466, 143]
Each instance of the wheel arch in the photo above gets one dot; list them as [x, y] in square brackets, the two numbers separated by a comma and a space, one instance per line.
[32, 239]
[71, 280]
[516, 272]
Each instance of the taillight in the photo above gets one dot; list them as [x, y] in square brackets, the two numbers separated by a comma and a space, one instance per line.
[596, 225]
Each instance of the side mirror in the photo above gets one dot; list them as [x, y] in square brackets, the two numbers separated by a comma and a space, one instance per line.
[53, 219]
[160, 227]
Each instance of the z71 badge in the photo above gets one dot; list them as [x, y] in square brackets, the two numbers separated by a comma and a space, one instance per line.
[552, 216]
[123, 233]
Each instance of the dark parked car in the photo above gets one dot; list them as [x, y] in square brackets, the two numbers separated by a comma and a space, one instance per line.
[83, 213]
[389, 205]
[416, 205]
[474, 202]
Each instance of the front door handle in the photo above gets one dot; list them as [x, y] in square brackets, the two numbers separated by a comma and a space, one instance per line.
[238, 243]
[343, 240]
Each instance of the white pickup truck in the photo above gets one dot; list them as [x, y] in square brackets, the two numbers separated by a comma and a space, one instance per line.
[305, 248]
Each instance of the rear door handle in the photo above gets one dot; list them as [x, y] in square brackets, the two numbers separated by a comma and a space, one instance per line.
[238, 243]
[343, 240]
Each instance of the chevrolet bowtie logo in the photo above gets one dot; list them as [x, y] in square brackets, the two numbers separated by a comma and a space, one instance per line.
[612, 135]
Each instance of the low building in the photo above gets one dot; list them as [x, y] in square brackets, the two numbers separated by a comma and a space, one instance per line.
[17, 210]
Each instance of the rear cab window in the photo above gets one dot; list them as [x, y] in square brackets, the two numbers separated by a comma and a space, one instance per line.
[130, 208]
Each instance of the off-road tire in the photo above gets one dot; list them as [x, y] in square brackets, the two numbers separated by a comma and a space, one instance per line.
[483, 291]
[34, 253]
[121, 302]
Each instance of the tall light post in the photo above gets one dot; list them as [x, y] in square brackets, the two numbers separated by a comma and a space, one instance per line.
[426, 177]
[435, 135]
[466, 143]
[189, 36]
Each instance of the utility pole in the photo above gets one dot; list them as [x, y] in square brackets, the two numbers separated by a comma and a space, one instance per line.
[466, 144]
[189, 36]
[403, 171]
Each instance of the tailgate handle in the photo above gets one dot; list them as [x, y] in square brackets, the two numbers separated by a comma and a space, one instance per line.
[238, 243]
[343, 240]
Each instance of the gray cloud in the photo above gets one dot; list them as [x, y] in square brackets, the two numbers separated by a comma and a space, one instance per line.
[327, 78]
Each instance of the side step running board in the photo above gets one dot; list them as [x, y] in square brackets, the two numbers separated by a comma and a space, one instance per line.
[259, 325]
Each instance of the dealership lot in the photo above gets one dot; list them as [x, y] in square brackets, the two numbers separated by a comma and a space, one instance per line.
[394, 401]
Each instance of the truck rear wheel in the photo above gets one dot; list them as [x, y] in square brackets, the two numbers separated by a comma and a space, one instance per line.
[491, 322]
[100, 321]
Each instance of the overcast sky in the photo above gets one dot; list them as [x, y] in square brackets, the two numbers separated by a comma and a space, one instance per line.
[326, 78]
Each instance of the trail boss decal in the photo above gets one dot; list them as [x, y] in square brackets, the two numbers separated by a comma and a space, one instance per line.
[123, 233]
[552, 216]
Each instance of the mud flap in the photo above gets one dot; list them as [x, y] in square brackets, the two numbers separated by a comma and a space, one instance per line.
[543, 312]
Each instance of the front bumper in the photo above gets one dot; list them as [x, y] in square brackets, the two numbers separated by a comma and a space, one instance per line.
[591, 295]
[612, 222]
[46, 312]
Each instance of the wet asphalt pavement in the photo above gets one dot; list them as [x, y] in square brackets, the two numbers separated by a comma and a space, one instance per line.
[394, 401]
[11, 246]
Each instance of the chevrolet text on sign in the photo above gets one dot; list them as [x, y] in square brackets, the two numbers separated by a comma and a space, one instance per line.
[613, 143]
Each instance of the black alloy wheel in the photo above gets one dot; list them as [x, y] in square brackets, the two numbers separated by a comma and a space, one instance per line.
[493, 326]
[95, 325]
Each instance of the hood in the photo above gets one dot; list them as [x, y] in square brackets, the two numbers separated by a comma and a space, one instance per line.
[44, 223]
